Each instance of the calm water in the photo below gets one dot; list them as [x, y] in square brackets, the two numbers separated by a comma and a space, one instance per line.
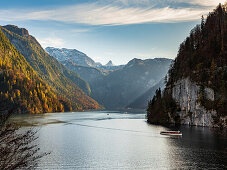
[114, 140]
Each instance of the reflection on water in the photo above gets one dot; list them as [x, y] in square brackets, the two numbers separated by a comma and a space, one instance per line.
[114, 140]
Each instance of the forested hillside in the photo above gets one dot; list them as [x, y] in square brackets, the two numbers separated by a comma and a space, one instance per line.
[64, 82]
[202, 59]
[21, 89]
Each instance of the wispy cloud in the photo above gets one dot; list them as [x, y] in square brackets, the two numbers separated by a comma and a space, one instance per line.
[80, 30]
[51, 42]
[204, 3]
[105, 14]
[137, 2]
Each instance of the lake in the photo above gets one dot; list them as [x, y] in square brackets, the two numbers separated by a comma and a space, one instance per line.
[121, 140]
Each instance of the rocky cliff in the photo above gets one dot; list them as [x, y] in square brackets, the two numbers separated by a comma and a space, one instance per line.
[186, 94]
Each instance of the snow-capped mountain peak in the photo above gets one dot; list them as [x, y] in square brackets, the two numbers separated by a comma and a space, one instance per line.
[73, 55]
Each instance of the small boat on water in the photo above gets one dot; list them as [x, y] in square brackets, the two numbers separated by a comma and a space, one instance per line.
[171, 133]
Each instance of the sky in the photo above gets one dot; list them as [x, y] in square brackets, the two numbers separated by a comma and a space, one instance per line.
[117, 30]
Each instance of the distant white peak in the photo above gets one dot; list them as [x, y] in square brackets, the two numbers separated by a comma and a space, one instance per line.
[110, 63]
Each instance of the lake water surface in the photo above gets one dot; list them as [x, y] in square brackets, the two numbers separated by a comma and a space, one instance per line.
[117, 140]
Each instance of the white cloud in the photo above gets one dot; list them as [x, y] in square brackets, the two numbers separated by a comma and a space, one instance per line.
[205, 3]
[51, 42]
[128, 2]
[100, 14]
[202, 3]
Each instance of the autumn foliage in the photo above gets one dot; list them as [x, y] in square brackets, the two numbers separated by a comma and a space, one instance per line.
[21, 89]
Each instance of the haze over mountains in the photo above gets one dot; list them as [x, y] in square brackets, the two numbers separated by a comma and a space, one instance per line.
[121, 87]
[142, 101]
[115, 86]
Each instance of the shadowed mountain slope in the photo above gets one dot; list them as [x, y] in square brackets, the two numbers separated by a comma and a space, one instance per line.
[121, 87]
[142, 101]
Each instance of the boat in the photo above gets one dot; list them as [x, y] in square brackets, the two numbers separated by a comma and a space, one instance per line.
[171, 133]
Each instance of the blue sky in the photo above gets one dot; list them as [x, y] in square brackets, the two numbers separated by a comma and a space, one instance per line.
[117, 30]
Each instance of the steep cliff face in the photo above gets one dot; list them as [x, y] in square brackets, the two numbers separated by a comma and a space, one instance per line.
[186, 94]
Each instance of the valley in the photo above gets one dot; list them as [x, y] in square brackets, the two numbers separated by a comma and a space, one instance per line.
[115, 87]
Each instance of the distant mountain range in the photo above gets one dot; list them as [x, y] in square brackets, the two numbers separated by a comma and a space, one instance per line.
[120, 88]
[73, 57]
[115, 86]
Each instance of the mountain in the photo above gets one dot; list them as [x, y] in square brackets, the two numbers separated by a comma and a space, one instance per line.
[142, 101]
[21, 88]
[72, 55]
[81, 64]
[55, 74]
[77, 62]
[121, 87]
[88, 74]
[109, 68]
[73, 58]
[110, 63]
[196, 90]
[123, 83]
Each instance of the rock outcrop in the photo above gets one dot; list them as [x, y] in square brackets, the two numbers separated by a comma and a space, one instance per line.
[186, 94]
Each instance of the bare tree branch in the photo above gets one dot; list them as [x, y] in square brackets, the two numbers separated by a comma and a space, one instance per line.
[18, 149]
